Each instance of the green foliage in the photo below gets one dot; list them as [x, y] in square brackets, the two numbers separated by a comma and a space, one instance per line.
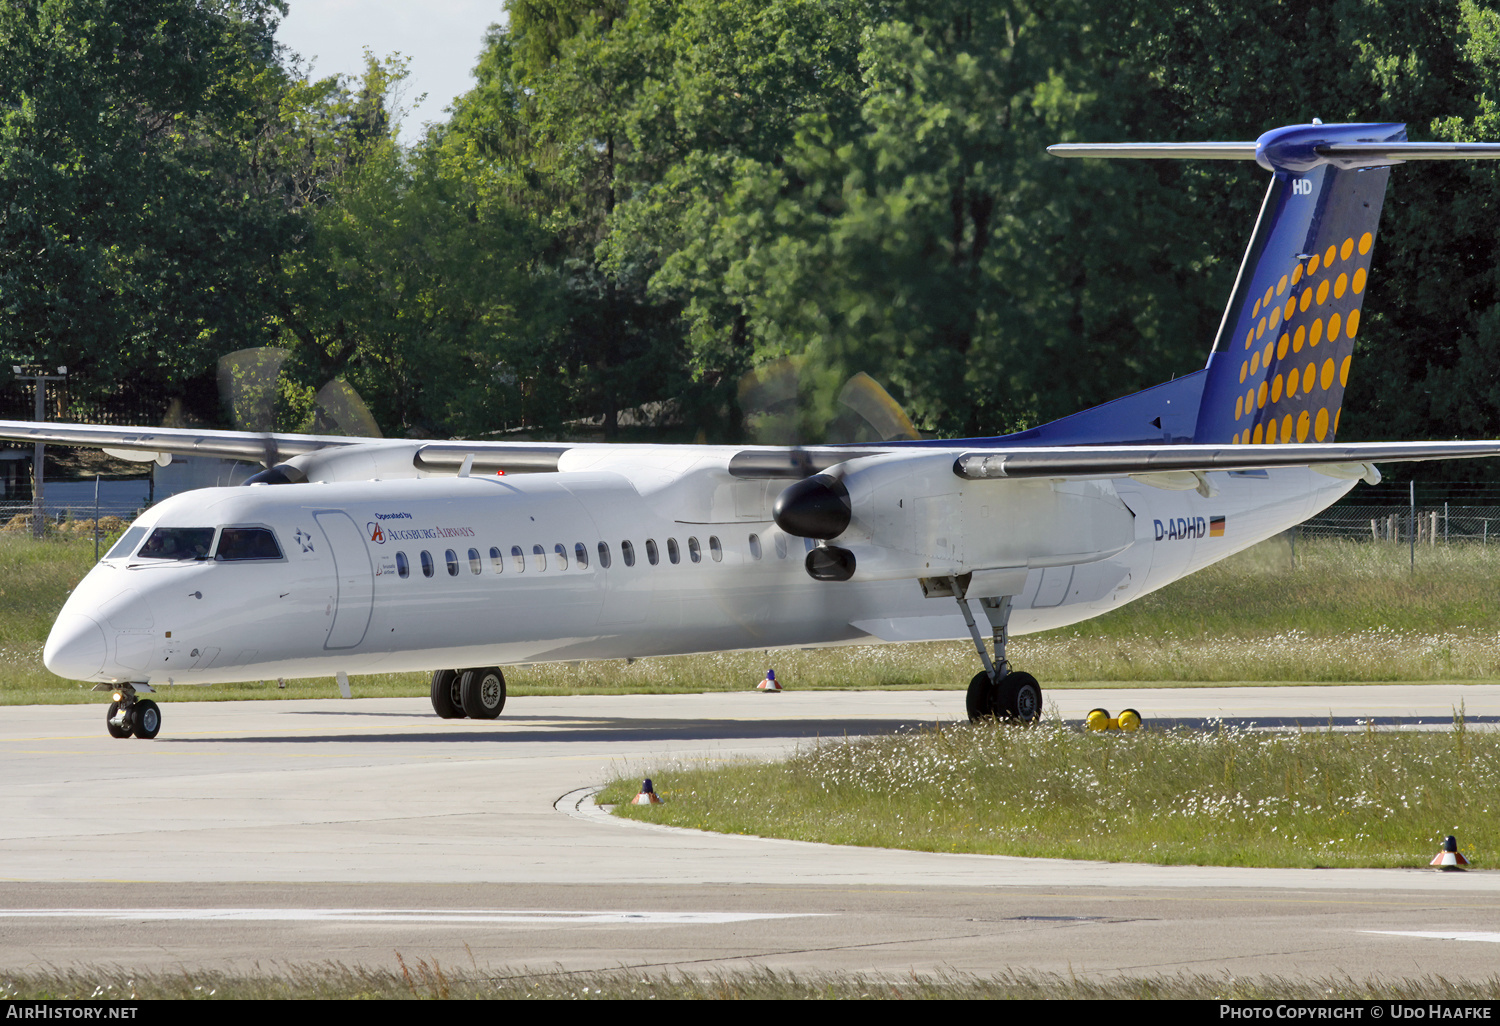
[641, 202]
[1213, 796]
[419, 291]
[136, 238]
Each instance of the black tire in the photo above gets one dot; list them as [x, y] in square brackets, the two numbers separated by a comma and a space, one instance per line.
[446, 699]
[121, 727]
[981, 698]
[1019, 699]
[482, 692]
[145, 719]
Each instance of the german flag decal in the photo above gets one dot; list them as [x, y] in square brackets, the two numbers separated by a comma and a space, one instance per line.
[1216, 527]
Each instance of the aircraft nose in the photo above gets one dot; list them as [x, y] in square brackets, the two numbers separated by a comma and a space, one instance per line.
[76, 648]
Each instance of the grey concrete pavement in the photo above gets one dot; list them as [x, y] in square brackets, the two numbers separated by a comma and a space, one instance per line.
[320, 813]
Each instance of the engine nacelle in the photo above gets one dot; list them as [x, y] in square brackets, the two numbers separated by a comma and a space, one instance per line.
[385, 460]
[900, 515]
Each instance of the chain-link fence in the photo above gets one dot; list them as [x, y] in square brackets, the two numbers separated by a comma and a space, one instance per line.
[1429, 524]
[77, 520]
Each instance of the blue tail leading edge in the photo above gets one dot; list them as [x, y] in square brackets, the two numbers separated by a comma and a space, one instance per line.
[1280, 363]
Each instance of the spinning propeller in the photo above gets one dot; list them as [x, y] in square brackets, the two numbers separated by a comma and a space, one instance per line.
[250, 387]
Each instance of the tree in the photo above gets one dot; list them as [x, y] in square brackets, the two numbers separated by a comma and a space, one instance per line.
[135, 241]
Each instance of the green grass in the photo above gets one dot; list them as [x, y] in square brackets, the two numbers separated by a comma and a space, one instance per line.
[1346, 612]
[419, 979]
[1227, 797]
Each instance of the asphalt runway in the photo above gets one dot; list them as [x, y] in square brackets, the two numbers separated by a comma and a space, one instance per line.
[269, 833]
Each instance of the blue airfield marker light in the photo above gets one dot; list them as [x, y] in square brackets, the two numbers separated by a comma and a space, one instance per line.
[1450, 859]
[647, 795]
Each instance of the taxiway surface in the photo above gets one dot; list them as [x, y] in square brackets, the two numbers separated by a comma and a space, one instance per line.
[294, 831]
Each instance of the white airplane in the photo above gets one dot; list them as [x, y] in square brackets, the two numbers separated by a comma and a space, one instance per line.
[348, 556]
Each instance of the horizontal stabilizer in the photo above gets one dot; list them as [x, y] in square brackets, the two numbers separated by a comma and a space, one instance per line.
[1157, 151]
[1363, 153]
[1297, 149]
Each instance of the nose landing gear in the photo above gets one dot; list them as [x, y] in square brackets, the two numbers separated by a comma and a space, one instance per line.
[129, 715]
[997, 691]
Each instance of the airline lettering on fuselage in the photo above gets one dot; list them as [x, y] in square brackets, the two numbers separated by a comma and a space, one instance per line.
[425, 533]
[376, 531]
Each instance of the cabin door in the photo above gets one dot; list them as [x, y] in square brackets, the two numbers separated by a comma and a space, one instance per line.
[356, 579]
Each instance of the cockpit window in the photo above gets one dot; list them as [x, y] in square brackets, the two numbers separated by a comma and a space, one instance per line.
[178, 543]
[127, 543]
[242, 543]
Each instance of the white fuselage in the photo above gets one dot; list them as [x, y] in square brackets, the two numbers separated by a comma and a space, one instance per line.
[337, 599]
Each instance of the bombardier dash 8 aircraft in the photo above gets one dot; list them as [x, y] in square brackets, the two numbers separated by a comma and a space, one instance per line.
[347, 556]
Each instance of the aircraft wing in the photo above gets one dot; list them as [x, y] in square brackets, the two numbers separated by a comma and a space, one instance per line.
[1084, 461]
[269, 447]
[178, 441]
[977, 464]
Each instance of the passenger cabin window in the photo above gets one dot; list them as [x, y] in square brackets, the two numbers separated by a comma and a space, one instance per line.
[604, 555]
[755, 546]
[246, 543]
[715, 549]
[452, 559]
[627, 550]
[652, 556]
[127, 543]
[539, 557]
[427, 567]
[403, 566]
[581, 555]
[496, 559]
[476, 565]
[695, 551]
[672, 552]
[178, 543]
[781, 546]
[519, 556]
[561, 551]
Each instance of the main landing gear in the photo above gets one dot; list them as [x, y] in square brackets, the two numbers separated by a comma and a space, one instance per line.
[478, 694]
[131, 716]
[997, 691]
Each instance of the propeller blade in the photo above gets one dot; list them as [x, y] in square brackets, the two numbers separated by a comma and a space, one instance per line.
[863, 395]
[339, 410]
[248, 387]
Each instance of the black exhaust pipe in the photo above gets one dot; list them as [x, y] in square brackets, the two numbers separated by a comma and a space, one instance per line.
[830, 563]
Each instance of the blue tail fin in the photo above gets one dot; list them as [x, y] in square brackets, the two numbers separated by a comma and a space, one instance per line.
[1279, 366]
[1281, 360]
